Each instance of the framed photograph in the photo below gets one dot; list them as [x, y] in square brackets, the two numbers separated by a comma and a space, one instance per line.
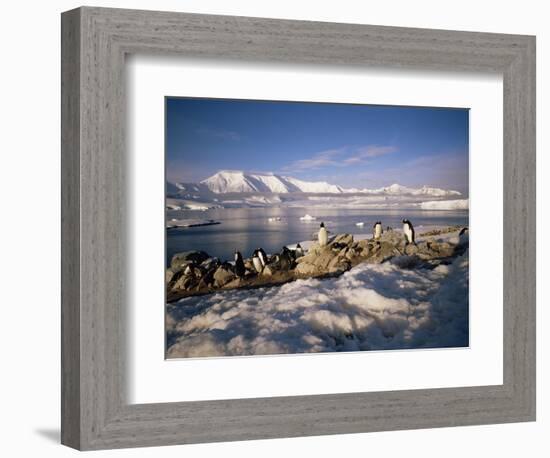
[280, 228]
[274, 245]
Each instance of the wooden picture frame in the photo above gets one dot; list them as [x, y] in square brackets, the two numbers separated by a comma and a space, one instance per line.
[95, 412]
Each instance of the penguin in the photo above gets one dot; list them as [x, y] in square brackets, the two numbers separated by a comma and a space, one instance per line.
[377, 230]
[463, 236]
[263, 257]
[323, 235]
[239, 265]
[286, 260]
[299, 251]
[256, 262]
[408, 230]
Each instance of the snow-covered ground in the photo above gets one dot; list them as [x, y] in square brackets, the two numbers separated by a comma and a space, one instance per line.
[371, 307]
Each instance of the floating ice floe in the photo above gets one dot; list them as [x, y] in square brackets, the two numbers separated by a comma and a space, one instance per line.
[307, 217]
[273, 218]
[360, 224]
[196, 207]
[459, 204]
[175, 223]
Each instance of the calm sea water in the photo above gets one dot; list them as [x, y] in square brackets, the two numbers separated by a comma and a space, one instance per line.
[246, 229]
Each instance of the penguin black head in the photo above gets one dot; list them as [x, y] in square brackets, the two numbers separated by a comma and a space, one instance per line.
[298, 246]
[322, 225]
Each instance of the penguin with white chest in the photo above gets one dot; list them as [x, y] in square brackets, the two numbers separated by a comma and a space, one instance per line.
[408, 230]
[323, 235]
[377, 230]
[256, 262]
[262, 256]
[240, 270]
[299, 252]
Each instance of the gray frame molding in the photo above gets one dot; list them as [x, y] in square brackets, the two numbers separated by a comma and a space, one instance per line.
[95, 413]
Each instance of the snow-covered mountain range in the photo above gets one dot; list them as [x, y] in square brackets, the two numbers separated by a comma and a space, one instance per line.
[230, 181]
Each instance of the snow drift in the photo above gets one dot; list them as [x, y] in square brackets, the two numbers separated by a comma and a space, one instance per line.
[371, 307]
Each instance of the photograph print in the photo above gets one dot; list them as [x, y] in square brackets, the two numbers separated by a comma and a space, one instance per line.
[305, 227]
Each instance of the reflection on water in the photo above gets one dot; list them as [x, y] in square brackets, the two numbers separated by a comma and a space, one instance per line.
[246, 229]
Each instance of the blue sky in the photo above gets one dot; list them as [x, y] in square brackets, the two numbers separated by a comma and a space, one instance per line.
[348, 145]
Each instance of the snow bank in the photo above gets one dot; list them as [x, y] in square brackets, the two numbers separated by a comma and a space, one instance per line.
[371, 307]
[459, 204]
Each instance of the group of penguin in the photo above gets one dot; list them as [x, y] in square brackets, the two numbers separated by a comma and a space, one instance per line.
[284, 260]
[287, 258]
[408, 231]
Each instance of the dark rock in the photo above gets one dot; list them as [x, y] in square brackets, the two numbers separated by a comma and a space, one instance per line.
[235, 283]
[210, 263]
[343, 239]
[180, 260]
[223, 275]
[381, 251]
[169, 275]
[406, 262]
[186, 283]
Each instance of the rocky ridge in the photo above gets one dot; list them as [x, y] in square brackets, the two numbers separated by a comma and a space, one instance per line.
[195, 272]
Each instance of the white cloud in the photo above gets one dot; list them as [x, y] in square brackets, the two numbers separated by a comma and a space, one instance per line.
[318, 160]
[369, 152]
[340, 157]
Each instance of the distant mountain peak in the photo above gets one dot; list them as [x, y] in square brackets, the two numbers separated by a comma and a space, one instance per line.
[239, 181]
[236, 181]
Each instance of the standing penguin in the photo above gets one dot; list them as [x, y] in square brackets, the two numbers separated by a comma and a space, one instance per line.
[408, 230]
[323, 235]
[256, 262]
[377, 230]
[299, 251]
[286, 260]
[263, 257]
[239, 265]
[463, 236]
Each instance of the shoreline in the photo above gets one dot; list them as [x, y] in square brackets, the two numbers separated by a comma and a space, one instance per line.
[193, 274]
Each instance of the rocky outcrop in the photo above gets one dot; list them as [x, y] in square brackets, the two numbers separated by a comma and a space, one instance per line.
[195, 272]
[223, 275]
[180, 260]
